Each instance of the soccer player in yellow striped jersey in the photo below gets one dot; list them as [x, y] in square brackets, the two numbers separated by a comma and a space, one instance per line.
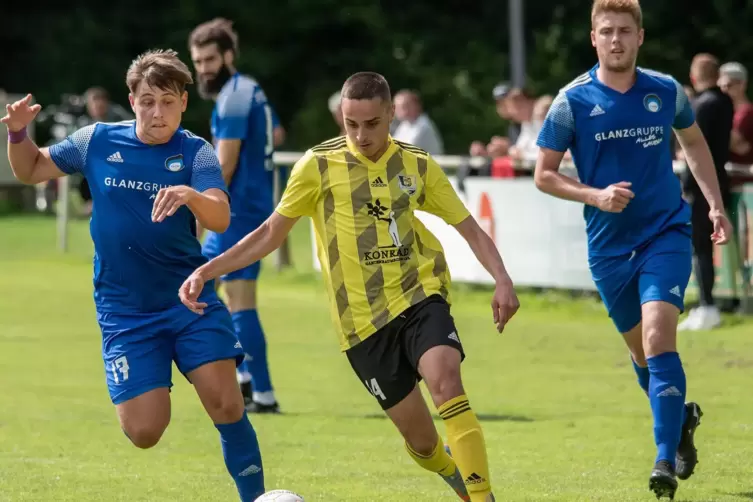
[387, 277]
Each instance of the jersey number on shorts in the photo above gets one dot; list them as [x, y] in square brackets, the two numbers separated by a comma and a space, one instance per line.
[120, 365]
[374, 388]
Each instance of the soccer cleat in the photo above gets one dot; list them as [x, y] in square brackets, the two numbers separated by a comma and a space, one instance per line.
[256, 407]
[247, 392]
[662, 481]
[456, 481]
[687, 455]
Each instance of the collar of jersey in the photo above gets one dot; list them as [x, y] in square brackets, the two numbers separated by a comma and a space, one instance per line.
[384, 158]
[636, 84]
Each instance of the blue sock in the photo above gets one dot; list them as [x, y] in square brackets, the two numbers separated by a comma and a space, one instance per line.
[251, 336]
[667, 396]
[643, 376]
[242, 457]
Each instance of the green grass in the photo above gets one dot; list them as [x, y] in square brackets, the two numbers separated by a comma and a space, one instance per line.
[563, 417]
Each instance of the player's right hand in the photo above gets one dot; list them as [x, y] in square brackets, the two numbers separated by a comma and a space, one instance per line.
[190, 291]
[19, 114]
[614, 198]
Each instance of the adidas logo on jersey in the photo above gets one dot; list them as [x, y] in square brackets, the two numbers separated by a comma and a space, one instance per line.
[598, 110]
[675, 291]
[115, 157]
[378, 183]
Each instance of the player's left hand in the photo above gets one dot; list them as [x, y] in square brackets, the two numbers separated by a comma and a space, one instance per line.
[190, 291]
[504, 304]
[722, 227]
[169, 200]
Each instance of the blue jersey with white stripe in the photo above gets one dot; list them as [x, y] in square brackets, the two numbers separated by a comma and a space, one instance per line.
[139, 265]
[243, 113]
[615, 137]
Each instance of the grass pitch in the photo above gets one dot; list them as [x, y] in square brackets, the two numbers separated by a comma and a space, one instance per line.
[563, 415]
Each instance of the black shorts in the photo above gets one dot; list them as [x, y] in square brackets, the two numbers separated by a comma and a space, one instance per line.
[387, 361]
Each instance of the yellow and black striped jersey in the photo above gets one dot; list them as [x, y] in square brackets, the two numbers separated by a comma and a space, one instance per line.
[377, 258]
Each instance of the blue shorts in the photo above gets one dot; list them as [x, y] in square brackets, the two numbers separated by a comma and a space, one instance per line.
[658, 271]
[216, 244]
[139, 349]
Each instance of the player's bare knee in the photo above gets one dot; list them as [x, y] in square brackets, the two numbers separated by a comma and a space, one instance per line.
[225, 407]
[144, 435]
[422, 442]
[657, 341]
[446, 385]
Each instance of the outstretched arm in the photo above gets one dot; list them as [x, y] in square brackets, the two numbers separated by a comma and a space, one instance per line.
[252, 248]
[29, 163]
[441, 200]
[484, 248]
[299, 199]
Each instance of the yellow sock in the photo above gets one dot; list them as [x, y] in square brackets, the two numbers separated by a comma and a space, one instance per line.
[467, 445]
[438, 461]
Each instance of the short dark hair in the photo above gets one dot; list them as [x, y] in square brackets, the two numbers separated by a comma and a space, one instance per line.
[217, 31]
[366, 85]
[97, 92]
[159, 68]
[705, 67]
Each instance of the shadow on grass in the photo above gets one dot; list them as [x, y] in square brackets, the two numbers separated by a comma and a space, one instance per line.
[482, 417]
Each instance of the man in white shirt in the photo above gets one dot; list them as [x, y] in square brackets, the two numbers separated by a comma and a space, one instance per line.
[415, 126]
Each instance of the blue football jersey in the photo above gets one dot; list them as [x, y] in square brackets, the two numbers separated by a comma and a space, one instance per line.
[242, 112]
[615, 137]
[139, 265]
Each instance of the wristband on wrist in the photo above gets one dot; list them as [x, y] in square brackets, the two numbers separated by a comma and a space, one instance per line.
[17, 136]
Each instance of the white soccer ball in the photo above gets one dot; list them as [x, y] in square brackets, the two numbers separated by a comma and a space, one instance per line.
[280, 496]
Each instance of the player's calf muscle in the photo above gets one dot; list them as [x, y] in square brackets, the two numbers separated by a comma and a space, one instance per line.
[414, 422]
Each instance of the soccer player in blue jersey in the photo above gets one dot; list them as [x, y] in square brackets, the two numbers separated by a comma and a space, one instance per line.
[617, 121]
[150, 181]
[243, 125]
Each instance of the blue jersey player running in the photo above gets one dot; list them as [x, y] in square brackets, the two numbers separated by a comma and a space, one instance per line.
[617, 121]
[244, 127]
[150, 181]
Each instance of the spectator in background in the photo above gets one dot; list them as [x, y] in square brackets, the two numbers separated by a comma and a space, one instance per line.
[98, 109]
[415, 127]
[500, 93]
[499, 145]
[733, 80]
[337, 113]
[532, 114]
[714, 113]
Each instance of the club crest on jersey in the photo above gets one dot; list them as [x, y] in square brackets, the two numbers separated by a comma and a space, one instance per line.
[174, 163]
[407, 183]
[652, 103]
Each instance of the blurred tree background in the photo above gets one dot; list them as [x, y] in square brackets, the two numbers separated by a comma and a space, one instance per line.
[452, 51]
